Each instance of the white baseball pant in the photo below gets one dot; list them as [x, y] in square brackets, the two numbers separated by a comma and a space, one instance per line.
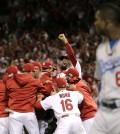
[4, 125]
[88, 123]
[107, 121]
[70, 125]
[17, 120]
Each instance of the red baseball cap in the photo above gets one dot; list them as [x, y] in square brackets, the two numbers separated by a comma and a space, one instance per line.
[72, 72]
[28, 67]
[64, 57]
[12, 69]
[47, 64]
[61, 82]
[37, 65]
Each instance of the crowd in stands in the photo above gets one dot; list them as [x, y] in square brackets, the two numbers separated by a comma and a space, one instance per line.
[38, 46]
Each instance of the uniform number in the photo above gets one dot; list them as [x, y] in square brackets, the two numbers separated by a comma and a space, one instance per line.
[118, 78]
[66, 105]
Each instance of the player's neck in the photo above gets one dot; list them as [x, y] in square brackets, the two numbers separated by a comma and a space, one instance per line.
[114, 34]
[60, 89]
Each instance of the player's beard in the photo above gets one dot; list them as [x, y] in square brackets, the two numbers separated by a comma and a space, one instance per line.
[63, 67]
[68, 80]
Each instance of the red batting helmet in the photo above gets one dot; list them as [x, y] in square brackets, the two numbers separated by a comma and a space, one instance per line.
[28, 67]
[12, 69]
[72, 72]
[37, 65]
[61, 82]
[47, 64]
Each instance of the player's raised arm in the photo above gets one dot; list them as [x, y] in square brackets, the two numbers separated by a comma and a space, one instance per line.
[63, 38]
[71, 54]
[69, 49]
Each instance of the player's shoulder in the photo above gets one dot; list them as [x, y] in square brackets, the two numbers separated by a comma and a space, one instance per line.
[118, 44]
[49, 98]
[101, 48]
[102, 45]
[76, 93]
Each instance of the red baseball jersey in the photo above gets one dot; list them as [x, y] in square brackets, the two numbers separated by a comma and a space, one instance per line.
[88, 107]
[3, 100]
[23, 90]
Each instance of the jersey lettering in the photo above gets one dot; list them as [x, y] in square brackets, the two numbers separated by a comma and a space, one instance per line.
[118, 78]
[66, 105]
[64, 95]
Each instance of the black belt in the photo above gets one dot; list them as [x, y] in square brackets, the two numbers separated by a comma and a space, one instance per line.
[109, 105]
[67, 115]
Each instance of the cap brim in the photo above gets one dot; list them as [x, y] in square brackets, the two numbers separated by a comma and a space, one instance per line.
[64, 57]
[43, 67]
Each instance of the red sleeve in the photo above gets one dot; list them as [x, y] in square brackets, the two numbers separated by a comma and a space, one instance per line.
[71, 54]
[3, 100]
[40, 87]
[85, 88]
[38, 105]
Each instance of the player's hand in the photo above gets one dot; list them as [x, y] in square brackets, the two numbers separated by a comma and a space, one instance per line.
[63, 38]
[40, 96]
[47, 81]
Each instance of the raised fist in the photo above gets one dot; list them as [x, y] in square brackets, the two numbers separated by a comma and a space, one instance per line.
[63, 38]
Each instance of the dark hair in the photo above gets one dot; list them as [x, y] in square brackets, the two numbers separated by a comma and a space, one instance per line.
[110, 11]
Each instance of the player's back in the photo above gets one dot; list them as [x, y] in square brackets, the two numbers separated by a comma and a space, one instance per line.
[65, 102]
[88, 107]
[22, 92]
[65, 105]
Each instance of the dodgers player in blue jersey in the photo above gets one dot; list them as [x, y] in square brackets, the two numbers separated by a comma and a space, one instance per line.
[107, 23]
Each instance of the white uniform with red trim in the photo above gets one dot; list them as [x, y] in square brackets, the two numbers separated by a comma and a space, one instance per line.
[65, 106]
[108, 71]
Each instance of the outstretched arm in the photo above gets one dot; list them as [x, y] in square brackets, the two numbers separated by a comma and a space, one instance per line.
[71, 54]
[69, 49]
[39, 99]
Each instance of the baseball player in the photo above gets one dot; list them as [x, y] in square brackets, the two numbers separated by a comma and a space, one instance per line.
[37, 69]
[47, 82]
[22, 90]
[49, 69]
[107, 23]
[88, 107]
[65, 106]
[3, 106]
[70, 57]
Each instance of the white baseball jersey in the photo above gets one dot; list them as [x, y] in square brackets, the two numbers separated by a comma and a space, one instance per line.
[108, 70]
[78, 68]
[64, 102]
